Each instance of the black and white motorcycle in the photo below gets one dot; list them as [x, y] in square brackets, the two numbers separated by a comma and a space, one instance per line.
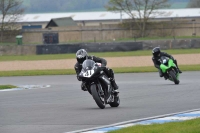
[98, 84]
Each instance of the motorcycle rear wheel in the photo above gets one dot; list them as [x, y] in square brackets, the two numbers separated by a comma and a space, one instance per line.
[173, 76]
[97, 97]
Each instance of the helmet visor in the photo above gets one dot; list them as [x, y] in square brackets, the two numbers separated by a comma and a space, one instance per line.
[156, 53]
[81, 60]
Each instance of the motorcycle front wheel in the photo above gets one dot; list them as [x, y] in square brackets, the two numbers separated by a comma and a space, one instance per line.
[99, 99]
[173, 76]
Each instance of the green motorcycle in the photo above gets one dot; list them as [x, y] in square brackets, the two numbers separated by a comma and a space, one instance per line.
[169, 69]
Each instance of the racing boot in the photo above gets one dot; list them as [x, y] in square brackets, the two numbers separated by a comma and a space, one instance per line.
[165, 76]
[177, 66]
[83, 86]
[112, 80]
[179, 70]
[115, 86]
[160, 73]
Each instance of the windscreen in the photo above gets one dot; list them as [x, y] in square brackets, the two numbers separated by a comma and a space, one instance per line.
[164, 59]
[88, 65]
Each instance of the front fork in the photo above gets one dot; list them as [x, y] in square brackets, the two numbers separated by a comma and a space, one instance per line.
[176, 72]
[107, 87]
[100, 89]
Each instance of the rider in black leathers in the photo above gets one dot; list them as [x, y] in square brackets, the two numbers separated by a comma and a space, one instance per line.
[81, 56]
[156, 60]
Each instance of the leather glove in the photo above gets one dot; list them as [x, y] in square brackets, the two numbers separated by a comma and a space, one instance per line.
[98, 64]
[83, 86]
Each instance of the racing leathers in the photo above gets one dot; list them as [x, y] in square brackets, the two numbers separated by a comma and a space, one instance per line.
[109, 72]
[156, 61]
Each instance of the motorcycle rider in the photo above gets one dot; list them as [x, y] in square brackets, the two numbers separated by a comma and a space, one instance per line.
[156, 60]
[81, 56]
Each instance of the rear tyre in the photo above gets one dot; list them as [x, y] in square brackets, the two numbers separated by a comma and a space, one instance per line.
[173, 76]
[116, 102]
[97, 97]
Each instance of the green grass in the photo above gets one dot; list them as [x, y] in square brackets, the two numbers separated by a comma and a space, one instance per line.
[153, 69]
[37, 72]
[3, 44]
[102, 54]
[7, 87]
[72, 71]
[137, 39]
[190, 126]
[117, 40]
[36, 57]
[158, 38]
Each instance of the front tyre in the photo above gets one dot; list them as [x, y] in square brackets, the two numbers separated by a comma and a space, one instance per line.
[116, 102]
[99, 99]
[173, 76]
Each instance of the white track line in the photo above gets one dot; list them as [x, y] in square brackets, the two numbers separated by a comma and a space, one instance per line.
[179, 116]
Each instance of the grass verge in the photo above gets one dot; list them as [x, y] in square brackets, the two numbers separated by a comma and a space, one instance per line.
[157, 38]
[153, 69]
[7, 87]
[37, 72]
[190, 126]
[102, 54]
[72, 71]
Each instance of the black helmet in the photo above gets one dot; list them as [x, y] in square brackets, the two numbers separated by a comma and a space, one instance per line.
[156, 51]
[81, 55]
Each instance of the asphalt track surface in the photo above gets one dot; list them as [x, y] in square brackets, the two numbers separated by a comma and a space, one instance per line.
[65, 107]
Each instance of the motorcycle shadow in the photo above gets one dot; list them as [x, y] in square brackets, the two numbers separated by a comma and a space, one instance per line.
[170, 84]
[96, 108]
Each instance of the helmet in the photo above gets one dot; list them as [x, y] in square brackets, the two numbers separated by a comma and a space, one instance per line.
[156, 51]
[81, 55]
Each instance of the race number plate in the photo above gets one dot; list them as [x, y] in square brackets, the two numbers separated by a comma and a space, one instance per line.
[88, 73]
